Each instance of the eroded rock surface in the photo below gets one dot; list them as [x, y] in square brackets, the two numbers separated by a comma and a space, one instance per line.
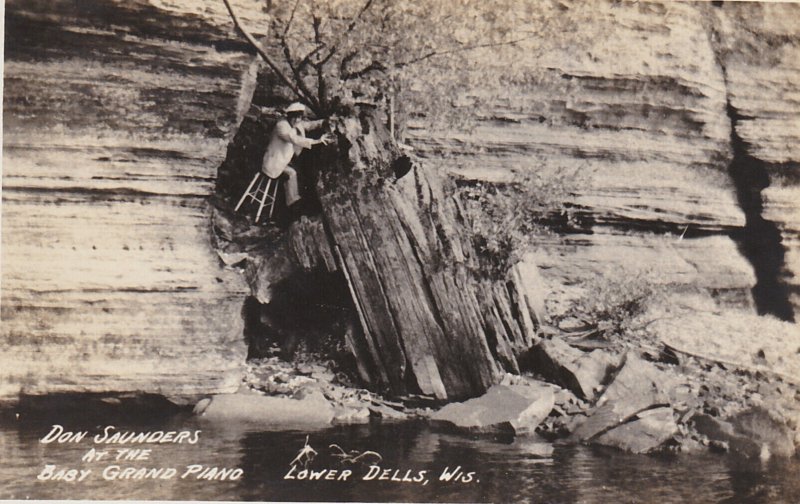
[752, 433]
[647, 432]
[109, 158]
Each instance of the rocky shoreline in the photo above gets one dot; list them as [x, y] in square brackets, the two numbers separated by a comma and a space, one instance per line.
[682, 404]
[597, 397]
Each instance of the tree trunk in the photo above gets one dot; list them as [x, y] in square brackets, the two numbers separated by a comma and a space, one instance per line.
[432, 321]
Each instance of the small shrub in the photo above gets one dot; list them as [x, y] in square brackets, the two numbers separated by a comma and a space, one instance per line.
[614, 306]
[504, 217]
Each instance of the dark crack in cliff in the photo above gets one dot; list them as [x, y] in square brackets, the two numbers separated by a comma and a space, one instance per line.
[760, 240]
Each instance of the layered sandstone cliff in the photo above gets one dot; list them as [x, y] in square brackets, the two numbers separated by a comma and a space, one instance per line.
[116, 116]
[639, 97]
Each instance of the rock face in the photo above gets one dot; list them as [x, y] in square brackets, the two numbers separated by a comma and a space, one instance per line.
[679, 118]
[729, 338]
[758, 51]
[641, 100]
[112, 134]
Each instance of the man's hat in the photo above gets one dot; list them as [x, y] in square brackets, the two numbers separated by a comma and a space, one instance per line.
[296, 107]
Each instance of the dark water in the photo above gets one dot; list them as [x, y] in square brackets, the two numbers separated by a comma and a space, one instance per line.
[504, 471]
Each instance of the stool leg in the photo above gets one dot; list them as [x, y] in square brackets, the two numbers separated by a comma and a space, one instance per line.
[263, 199]
[247, 192]
[273, 198]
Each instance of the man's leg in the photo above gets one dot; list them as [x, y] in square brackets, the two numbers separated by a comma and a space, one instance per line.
[292, 192]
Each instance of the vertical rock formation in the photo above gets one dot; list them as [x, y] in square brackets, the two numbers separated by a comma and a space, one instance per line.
[432, 321]
[116, 113]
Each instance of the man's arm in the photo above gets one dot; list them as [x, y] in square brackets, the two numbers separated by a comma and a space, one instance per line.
[286, 133]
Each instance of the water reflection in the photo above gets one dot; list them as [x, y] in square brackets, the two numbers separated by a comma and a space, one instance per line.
[504, 471]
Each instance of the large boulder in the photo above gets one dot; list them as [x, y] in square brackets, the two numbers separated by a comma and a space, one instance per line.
[517, 409]
[752, 433]
[635, 389]
[312, 411]
[646, 432]
[580, 372]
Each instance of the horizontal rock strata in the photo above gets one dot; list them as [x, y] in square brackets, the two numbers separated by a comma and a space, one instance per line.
[632, 113]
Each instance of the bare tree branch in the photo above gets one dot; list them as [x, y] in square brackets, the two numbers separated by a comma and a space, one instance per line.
[321, 44]
[298, 76]
[253, 42]
[291, 18]
[355, 19]
[287, 54]
[375, 66]
[346, 59]
[307, 58]
[350, 28]
[322, 88]
[459, 49]
[326, 58]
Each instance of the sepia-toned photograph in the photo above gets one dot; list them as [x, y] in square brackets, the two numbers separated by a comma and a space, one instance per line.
[500, 251]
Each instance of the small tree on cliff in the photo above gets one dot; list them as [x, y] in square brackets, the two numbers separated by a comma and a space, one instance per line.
[332, 54]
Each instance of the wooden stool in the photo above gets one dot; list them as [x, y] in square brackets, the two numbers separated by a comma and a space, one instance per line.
[265, 193]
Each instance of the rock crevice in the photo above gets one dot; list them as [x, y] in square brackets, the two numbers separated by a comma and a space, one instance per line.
[760, 239]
